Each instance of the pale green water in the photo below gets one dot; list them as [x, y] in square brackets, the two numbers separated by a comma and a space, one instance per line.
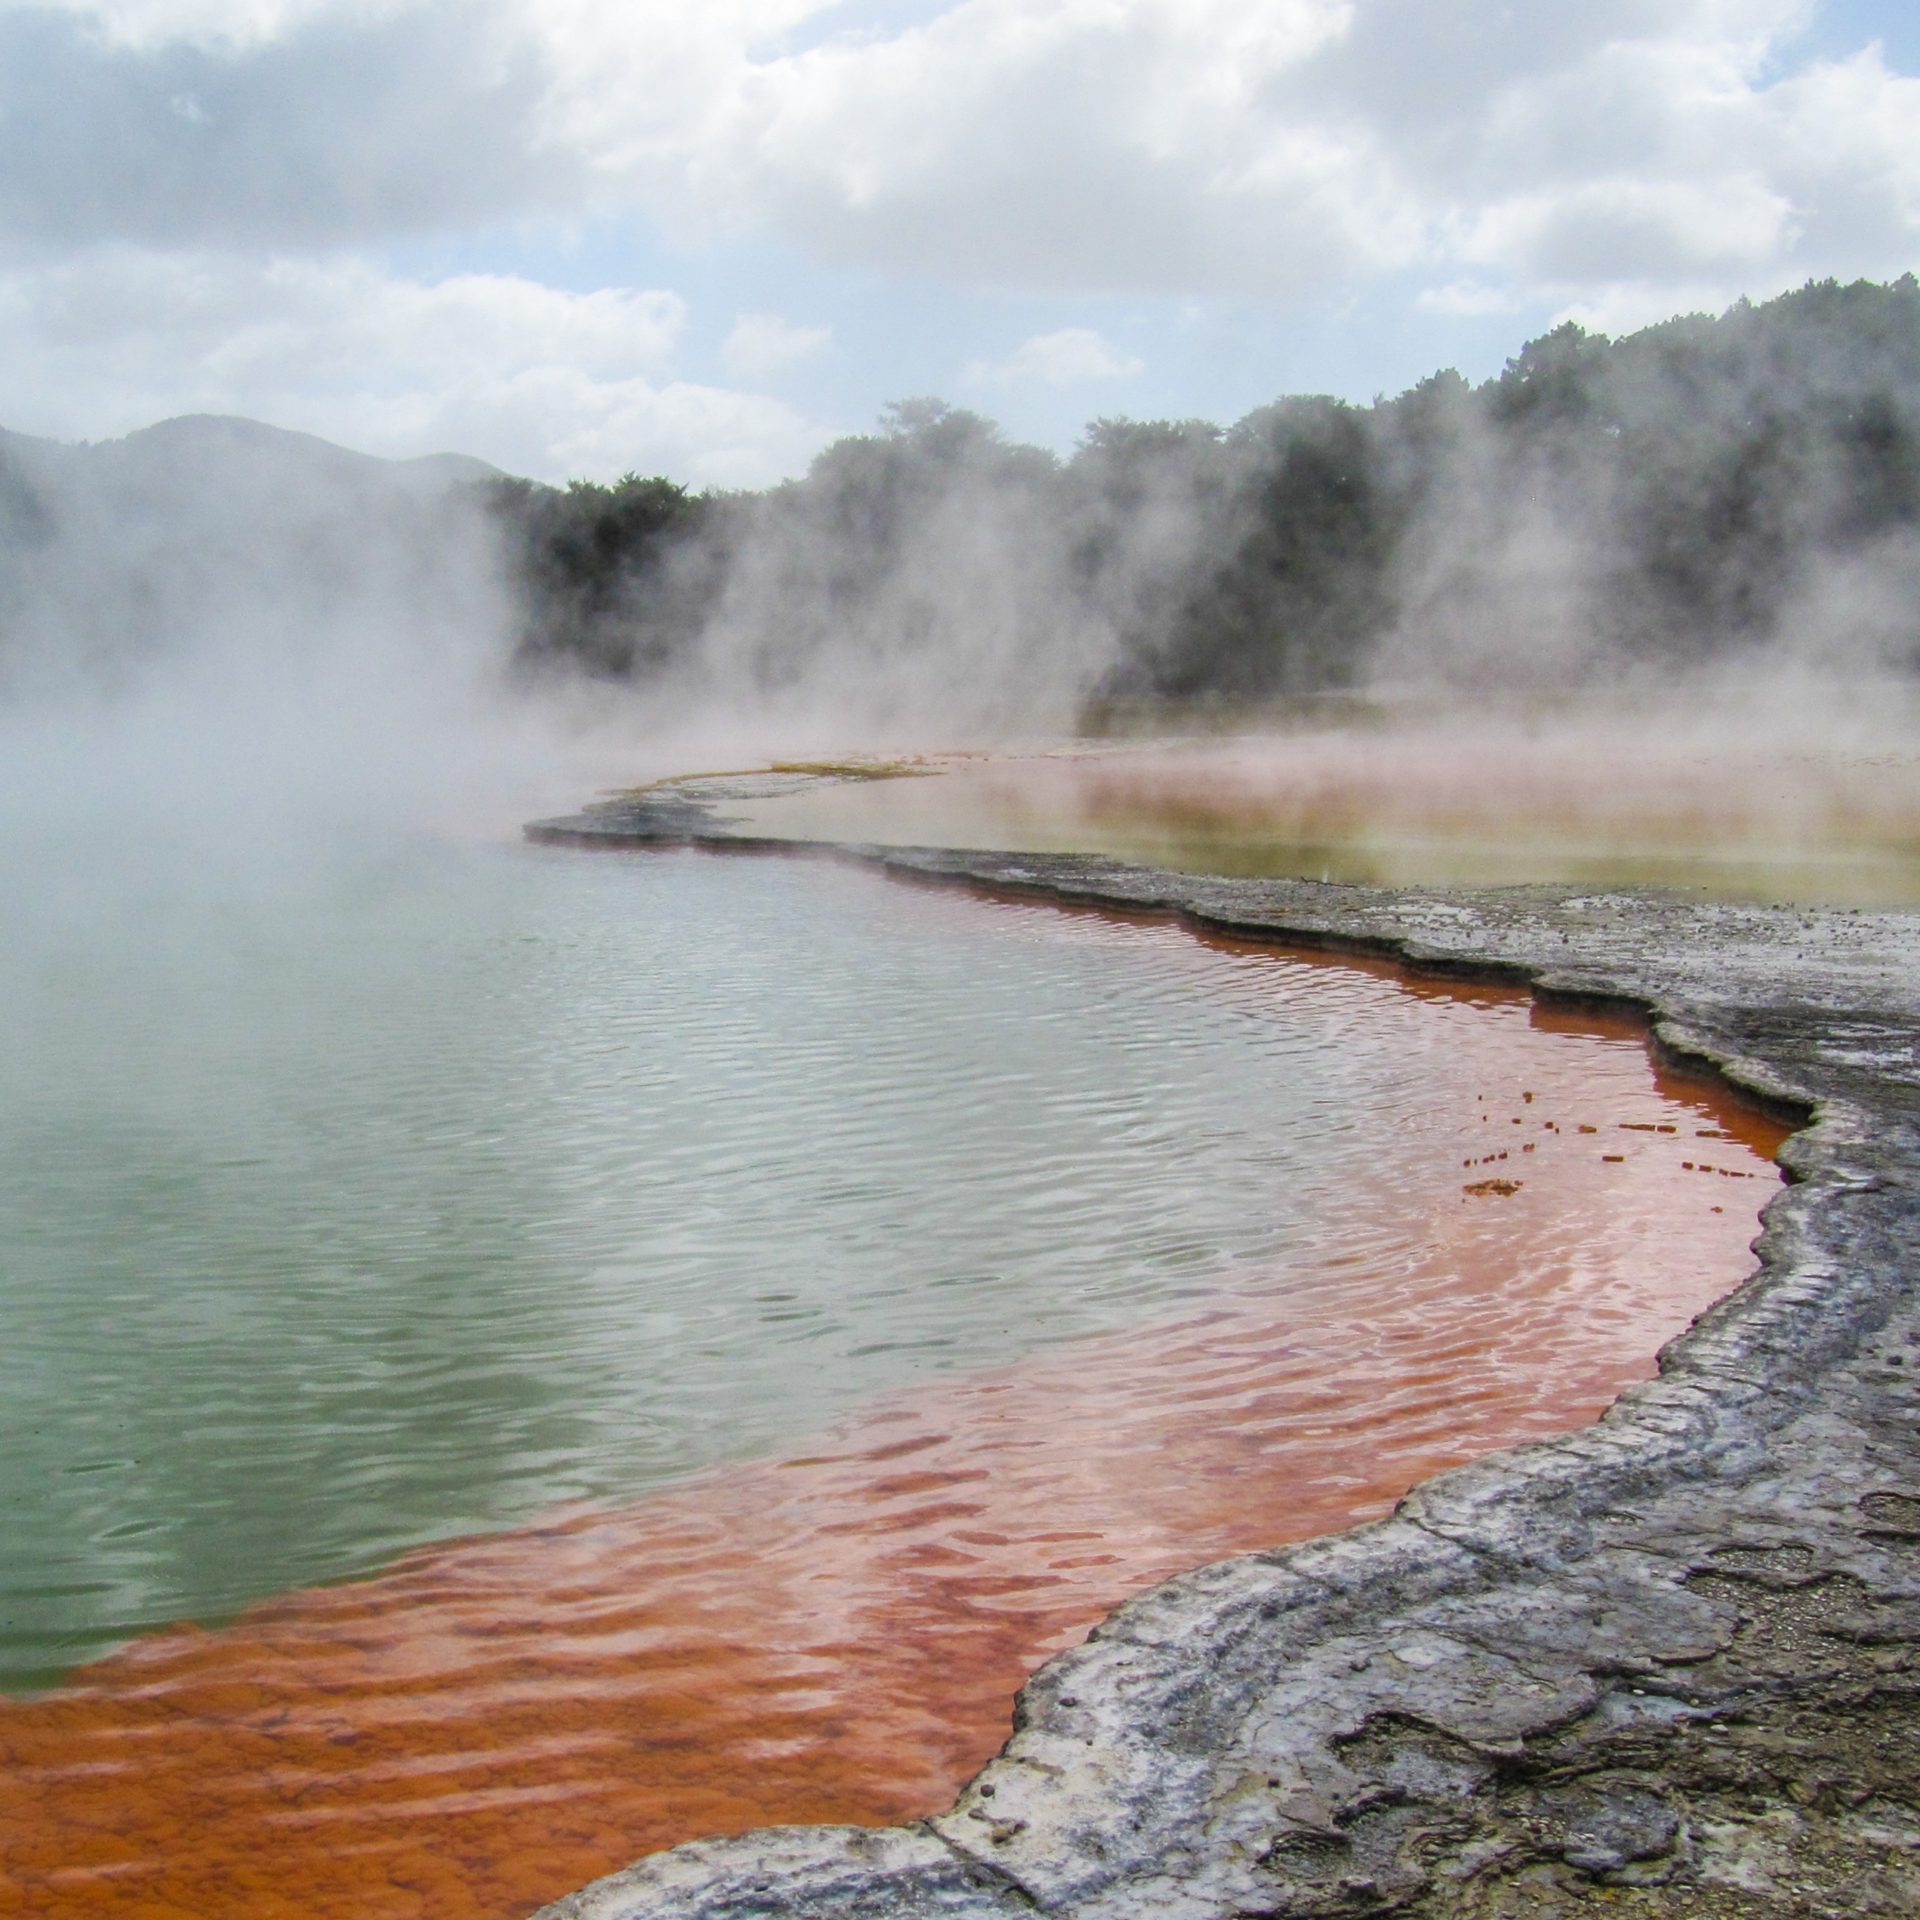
[392, 1190]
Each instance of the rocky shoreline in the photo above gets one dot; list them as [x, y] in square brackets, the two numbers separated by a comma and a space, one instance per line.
[1666, 1664]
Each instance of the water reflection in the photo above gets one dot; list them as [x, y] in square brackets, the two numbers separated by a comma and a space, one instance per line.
[394, 1192]
[860, 1287]
[836, 1633]
[1759, 811]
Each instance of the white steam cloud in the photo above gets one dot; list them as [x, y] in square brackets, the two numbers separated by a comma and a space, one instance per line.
[262, 612]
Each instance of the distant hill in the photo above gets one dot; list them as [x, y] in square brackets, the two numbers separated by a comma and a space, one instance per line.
[221, 448]
[117, 553]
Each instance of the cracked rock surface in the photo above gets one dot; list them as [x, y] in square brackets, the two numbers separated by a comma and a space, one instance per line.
[1666, 1664]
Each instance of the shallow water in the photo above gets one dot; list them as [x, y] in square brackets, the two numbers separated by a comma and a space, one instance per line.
[816, 1298]
[419, 1191]
[1743, 815]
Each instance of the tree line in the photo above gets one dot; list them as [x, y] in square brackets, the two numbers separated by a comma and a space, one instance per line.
[1666, 498]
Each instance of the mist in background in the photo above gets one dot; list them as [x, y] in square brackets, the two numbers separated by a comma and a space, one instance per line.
[219, 636]
[1711, 521]
[1727, 502]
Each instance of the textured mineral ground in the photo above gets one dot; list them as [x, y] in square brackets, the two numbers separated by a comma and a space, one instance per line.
[1666, 1665]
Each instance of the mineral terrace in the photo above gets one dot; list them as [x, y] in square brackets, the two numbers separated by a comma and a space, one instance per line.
[1666, 1665]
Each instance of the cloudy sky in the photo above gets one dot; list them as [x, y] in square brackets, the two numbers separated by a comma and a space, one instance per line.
[706, 236]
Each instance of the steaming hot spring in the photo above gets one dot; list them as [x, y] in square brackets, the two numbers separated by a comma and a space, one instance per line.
[1734, 800]
[612, 1350]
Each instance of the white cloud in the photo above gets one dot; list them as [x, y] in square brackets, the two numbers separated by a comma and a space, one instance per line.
[555, 422]
[1601, 229]
[1079, 142]
[1252, 148]
[1061, 359]
[539, 381]
[1466, 299]
[761, 344]
[1263, 147]
[1619, 157]
[1712, 194]
[345, 126]
[217, 23]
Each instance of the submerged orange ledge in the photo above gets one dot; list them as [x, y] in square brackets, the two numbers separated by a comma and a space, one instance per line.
[838, 1637]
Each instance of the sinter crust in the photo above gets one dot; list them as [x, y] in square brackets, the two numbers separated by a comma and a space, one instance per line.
[1663, 1665]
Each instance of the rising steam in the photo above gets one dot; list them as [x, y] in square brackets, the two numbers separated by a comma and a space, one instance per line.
[1715, 517]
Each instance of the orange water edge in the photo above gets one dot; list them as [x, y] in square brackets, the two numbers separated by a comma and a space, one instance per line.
[838, 1636]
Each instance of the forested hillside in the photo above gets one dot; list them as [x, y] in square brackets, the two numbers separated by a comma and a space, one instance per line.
[1711, 492]
[1707, 487]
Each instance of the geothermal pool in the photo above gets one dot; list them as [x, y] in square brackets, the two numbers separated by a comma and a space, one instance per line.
[1752, 810]
[517, 1358]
